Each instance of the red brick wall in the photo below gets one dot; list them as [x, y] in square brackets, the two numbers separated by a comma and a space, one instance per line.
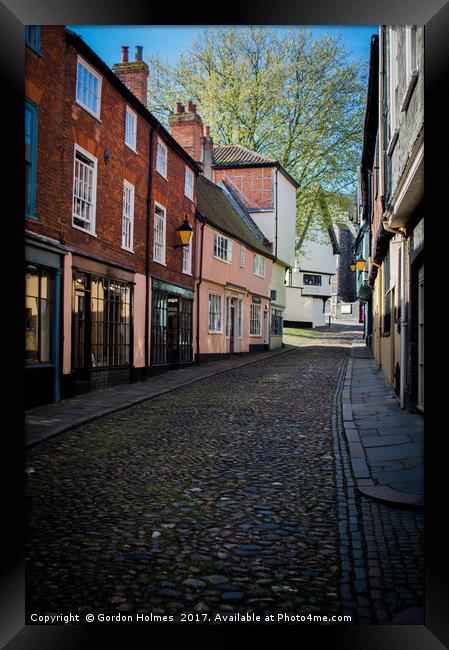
[187, 129]
[135, 76]
[61, 124]
[170, 194]
[254, 184]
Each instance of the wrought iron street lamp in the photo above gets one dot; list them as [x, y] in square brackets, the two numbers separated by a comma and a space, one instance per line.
[185, 233]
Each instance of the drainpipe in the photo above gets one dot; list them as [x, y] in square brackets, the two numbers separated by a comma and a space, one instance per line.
[403, 321]
[147, 253]
[200, 279]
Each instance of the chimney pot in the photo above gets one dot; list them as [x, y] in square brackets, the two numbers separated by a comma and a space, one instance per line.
[178, 107]
[207, 131]
[190, 106]
[125, 49]
[138, 52]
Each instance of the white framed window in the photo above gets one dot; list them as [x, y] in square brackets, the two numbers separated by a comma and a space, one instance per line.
[131, 129]
[187, 258]
[161, 158]
[240, 319]
[88, 88]
[242, 256]
[411, 64]
[84, 190]
[160, 215]
[215, 312]
[222, 248]
[255, 320]
[259, 265]
[128, 216]
[188, 183]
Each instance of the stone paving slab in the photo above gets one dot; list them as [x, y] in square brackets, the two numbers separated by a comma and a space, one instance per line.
[51, 419]
[386, 443]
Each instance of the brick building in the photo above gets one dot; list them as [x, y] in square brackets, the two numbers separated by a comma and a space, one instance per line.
[103, 180]
[260, 185]
[391, 202]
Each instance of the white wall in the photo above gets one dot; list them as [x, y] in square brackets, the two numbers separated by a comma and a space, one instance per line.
[286, 215]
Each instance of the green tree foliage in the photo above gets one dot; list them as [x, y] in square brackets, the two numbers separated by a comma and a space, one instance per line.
[296, 99]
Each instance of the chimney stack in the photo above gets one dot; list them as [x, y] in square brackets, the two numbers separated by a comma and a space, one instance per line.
[134, 74]
[187, 129]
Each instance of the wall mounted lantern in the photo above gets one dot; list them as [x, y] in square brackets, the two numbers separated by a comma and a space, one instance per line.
[185, 233]
[360, 264]
[352, 265]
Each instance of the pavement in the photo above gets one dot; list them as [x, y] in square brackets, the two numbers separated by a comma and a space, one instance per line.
[49, 420]
[386, 443]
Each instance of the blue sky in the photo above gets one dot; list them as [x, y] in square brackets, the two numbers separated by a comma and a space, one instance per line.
[170, 41]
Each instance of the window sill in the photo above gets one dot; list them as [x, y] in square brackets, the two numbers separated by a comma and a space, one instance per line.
[161, 263]
[35, 50]
[87, 232]
[255, 336]
[221, 260]
[187, 273]
[128, 250]
[131, 148]
[33, 217]
[259, 276]
[88, 110]
[409, 92]
[189, 197]
[162, 175]
[392, 143]
[215, 332]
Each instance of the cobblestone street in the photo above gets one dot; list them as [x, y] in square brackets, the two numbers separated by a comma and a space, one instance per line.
[233, 494]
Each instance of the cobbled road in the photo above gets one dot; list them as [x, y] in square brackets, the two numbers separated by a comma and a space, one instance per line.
[219, 497]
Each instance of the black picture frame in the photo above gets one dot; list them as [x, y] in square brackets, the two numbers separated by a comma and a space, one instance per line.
[434, 14]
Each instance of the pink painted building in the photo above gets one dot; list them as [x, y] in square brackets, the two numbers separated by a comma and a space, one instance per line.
[233, 277]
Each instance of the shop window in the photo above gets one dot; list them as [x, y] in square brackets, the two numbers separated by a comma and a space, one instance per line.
[38, 315]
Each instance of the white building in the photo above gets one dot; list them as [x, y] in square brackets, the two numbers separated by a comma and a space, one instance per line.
[309, 283]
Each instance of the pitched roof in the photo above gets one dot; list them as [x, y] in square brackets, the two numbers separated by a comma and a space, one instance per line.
[236, 155]
[217, 210]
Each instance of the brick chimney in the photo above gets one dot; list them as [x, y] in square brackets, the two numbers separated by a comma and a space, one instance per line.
[134, 74]
[186, 127]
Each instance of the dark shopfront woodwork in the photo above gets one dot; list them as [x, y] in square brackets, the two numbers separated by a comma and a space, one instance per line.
[171, 332]
[102, 330]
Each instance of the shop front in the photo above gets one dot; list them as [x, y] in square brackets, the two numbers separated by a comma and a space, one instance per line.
[43, 280]
[171, 325]
[102, 326]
